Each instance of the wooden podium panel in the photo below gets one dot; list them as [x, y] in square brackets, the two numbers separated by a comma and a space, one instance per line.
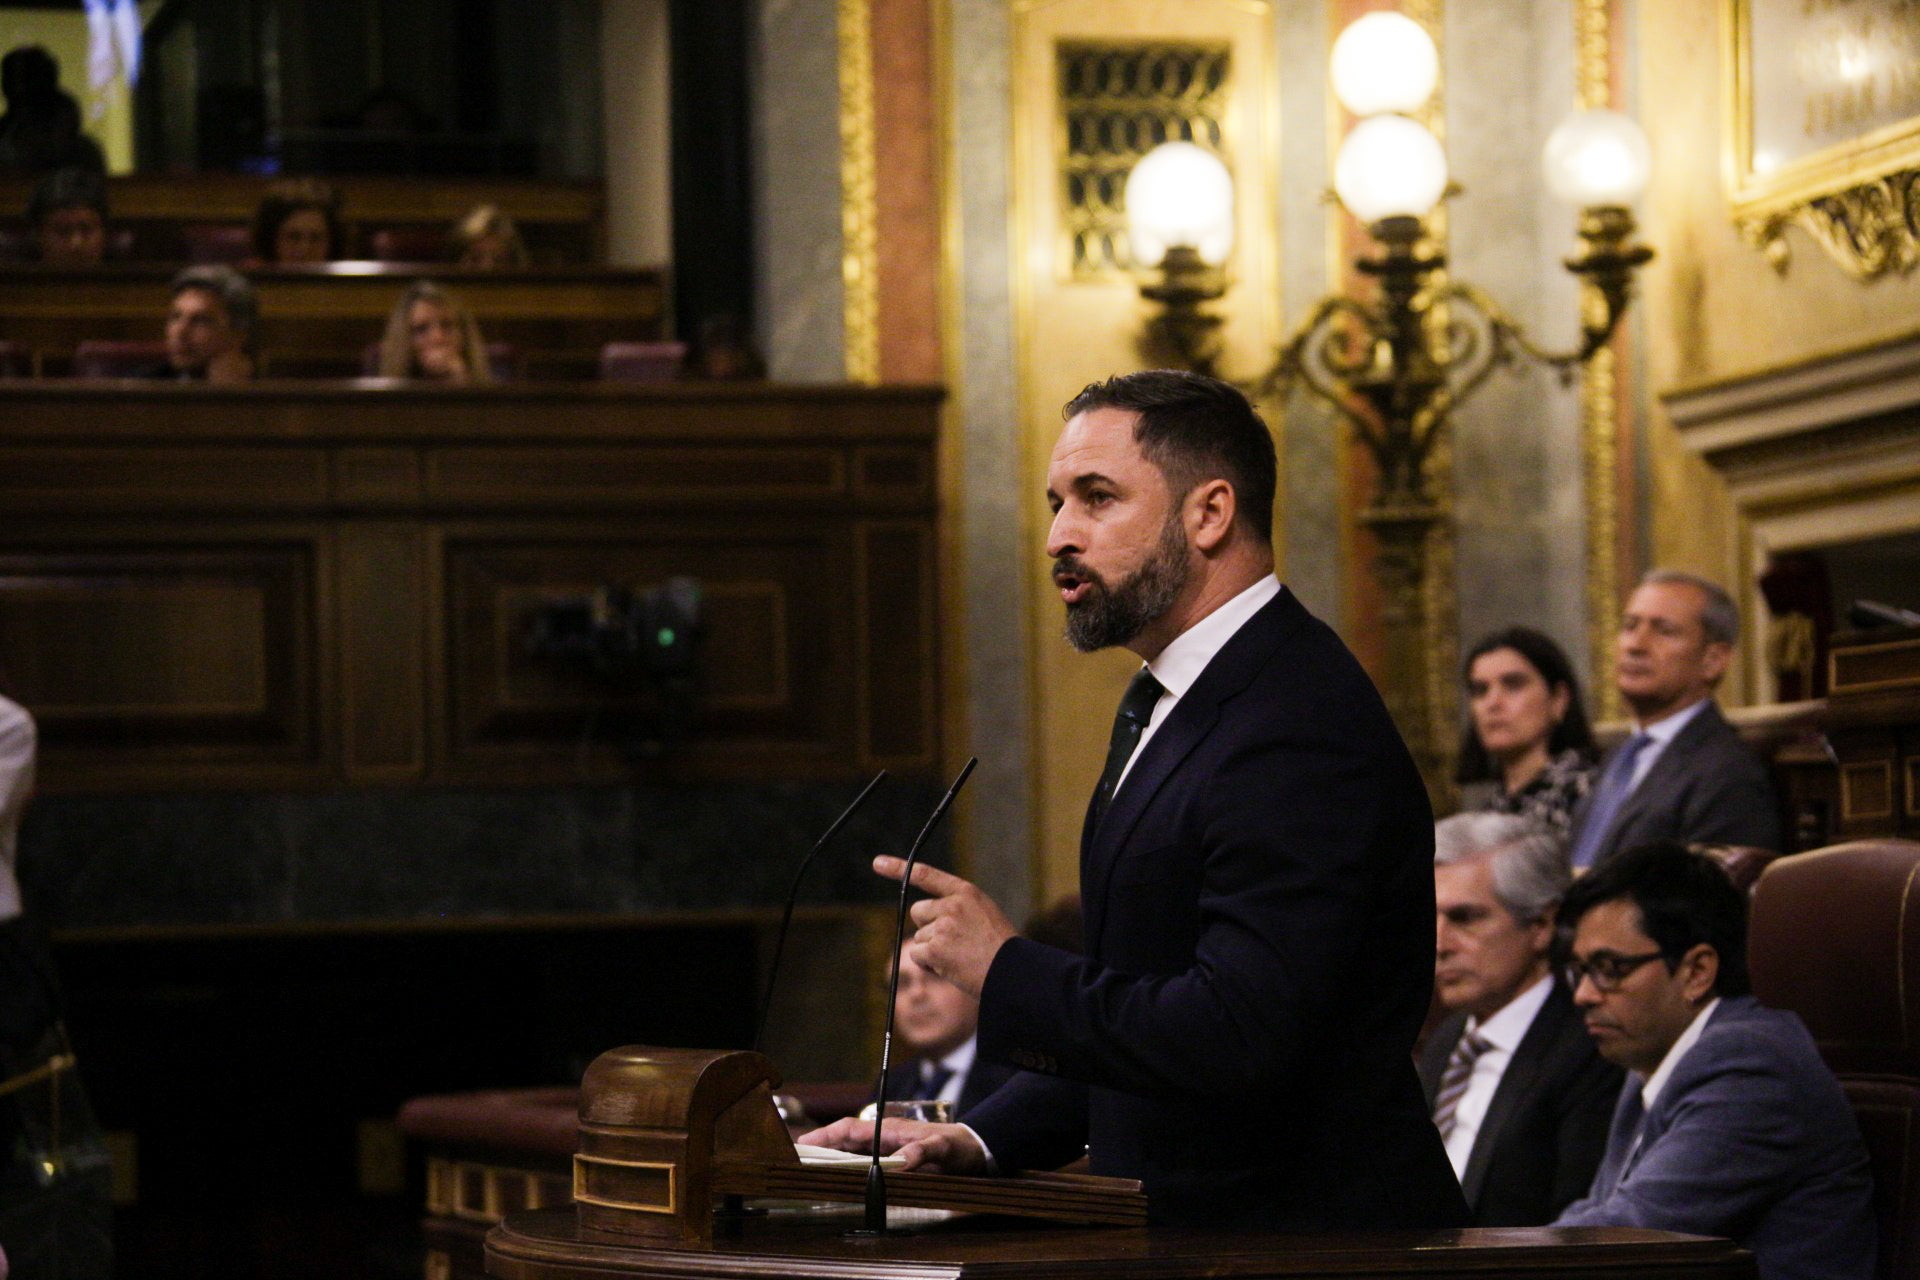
[545, 1245]
[290, 585]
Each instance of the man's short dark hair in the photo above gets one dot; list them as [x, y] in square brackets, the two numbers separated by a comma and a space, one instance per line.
[1684, 898]
[234, 290]
[70, 188]
[1195, 428]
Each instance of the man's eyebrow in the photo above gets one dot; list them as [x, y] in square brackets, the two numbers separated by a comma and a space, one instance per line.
[1091, 478]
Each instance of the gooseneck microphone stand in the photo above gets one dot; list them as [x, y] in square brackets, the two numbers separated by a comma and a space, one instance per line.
[876, 1216]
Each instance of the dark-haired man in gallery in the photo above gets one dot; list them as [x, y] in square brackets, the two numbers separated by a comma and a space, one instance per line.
[1730, 1124]
[1684, 774]
[1519, 1095]
[1254, 869]
[210, 324]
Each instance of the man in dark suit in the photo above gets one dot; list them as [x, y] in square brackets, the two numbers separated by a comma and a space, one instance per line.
[1254, 868]
[935, 1022]
[1684, 774]
[1519, 1095]
[1730, 1124]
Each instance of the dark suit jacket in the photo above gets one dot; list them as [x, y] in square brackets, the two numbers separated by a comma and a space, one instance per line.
[1750, 1138]
[982, 1078]
[1706, 787]
[1258, 901]
[1546, 1127]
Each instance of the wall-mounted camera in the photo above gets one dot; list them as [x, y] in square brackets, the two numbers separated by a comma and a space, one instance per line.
[632, 640]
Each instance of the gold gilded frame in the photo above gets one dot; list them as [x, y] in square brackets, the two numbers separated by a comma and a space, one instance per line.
[1860, 200]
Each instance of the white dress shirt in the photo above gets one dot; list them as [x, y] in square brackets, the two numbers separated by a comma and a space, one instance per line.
[16, 784]
[1664, 1072]
[1178, 665]
[1503, 1033]
[959, 1063]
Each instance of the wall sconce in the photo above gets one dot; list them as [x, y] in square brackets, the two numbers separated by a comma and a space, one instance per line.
[1179, 201]
[1394, 366]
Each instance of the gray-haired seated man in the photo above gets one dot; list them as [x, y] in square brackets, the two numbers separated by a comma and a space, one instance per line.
[1730, 1124]
[1520, 1097]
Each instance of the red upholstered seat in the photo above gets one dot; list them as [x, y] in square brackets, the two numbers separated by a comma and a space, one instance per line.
[408, 244]
[231, 243]
[1835, 937]
[642, 361]
[118, 359]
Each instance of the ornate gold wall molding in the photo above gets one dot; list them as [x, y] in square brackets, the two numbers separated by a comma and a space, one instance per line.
[1599, 410]
[1119, 100]
[1858, 197]
[1870, 230]
[859, 195]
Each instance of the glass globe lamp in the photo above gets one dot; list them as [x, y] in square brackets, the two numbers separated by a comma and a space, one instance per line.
[1384, 62]
[1390, 166]
[1598, 159]
[1179, 195]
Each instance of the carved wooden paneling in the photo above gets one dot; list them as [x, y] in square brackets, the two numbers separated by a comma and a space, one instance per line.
[777, 653]
[202, 653]
[313, 585]
[896, 642]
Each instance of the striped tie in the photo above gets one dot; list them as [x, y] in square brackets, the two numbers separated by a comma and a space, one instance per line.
[1453, 1081]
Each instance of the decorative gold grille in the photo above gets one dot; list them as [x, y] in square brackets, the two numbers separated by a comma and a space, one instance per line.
[1118, 101]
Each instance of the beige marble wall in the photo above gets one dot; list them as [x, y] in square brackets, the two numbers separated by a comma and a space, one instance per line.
[796, 159]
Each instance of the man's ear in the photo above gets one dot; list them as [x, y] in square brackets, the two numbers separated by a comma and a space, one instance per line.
[1715, 660]
[1699, 970]
[1210, 512]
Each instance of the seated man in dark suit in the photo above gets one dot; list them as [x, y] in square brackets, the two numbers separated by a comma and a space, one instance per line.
[935, 1022]
[1520, 1097]
[1730, 1124]
[1684, 774]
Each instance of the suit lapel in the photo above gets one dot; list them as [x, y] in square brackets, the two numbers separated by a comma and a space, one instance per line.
[1192, 718]
[1525, 1073]
[1654, 791]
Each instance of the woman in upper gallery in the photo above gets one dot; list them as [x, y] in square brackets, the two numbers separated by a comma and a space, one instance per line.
[1527, 743]
[298, 223]
[431, 336]
[487, 240]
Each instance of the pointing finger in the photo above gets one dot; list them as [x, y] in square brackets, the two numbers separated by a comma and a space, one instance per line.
[925, 878]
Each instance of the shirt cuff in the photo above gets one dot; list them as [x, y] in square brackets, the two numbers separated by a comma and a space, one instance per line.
[993, 1166]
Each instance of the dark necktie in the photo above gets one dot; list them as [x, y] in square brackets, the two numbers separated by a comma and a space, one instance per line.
[933, 1078]
[1454, 1080]
[1136, 709]
[1616, 784]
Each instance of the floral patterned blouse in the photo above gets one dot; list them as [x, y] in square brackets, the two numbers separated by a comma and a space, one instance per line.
[1552, 795]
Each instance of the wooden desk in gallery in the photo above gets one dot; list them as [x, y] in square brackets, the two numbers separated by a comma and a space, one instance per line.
[558, 217]
[303, 586]
[545, 1245]
[317, 321]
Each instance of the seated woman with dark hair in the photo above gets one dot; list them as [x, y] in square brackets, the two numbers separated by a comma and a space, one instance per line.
[1527, 733]
[431, 336]
[298, 223]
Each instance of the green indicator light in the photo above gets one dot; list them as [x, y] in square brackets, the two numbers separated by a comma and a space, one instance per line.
[666, 637]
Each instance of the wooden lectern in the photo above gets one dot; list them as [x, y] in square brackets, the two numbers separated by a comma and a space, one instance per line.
[669, 1136]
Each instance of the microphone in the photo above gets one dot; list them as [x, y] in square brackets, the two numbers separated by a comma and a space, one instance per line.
[876, 1217]
[793, 896]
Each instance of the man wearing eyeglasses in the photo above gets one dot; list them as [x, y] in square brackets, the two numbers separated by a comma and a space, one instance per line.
[1729, 1124]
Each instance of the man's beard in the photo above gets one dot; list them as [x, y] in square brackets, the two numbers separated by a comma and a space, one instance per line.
[1113, 616]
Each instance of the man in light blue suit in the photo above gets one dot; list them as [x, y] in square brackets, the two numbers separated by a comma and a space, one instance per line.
[1729, 1123]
